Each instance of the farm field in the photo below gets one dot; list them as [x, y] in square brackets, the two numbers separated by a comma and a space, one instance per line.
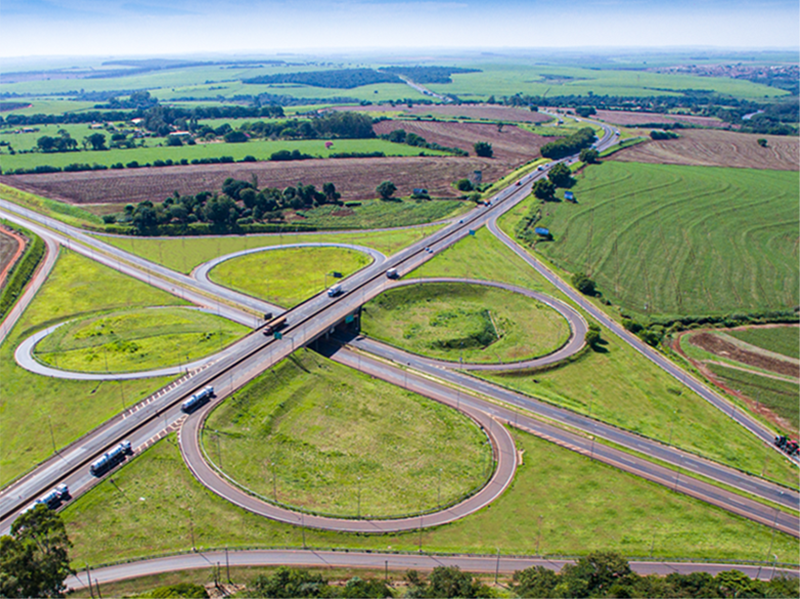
[137, 340]
[10, 251]
[452, 322]
[584, 506]
[486, 112]
[186, 253]
[703, 147]
[633, 119]
[510, 77]
[782, 339]
[289, 276]
[355, 178]
[258, 149]
[731, 243]
[599, 383]
[314, 434]
[511, 145]
[39, 412]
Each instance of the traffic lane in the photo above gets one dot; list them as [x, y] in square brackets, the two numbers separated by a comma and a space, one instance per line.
[744, 419]
[312, 558]
[654, 449]
[574, 343]
[501, 441]
[644, 468]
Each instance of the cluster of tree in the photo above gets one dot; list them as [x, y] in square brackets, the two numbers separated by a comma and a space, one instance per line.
[400, 136]
[241, 203]
[428, 74]
[21, 272]
[584, 284]
[137, 99]
[34, 560]
[558, 176]
[62, 143]
[585, 111]
[600, 574]
[483, 148]
[589, 156]
[657, 134]
[654, 330]
[572, 144]
[336, 78]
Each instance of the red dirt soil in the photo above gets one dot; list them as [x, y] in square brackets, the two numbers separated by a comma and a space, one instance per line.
[511, 145]
[355, 178]
[12, 245]
[716, 345]
[706, 147]
[625, 118]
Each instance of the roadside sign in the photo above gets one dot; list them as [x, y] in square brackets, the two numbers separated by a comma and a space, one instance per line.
[278, 335]
[472, 232]
[349, 318]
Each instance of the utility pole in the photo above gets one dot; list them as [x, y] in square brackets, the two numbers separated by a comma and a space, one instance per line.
[89, 578]
[497, 567]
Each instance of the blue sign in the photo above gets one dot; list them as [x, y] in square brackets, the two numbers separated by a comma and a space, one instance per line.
[472, 232]
[542, 231]
[349, 318]
[278, 335]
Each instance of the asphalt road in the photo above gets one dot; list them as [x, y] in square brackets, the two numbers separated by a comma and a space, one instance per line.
[311, 558]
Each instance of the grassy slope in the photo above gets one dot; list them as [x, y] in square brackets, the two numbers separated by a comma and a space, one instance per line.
[377, 214]
[137, 340]
[418, 317]
[779, 396]
[259, 149]
[616, 384]
[681, 240]
[783, 340]
[185, 253]
[318, 427]
[76, 286]
[288, 277]
[157, 506]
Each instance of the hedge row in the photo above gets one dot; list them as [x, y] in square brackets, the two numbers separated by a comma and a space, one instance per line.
[21, 273]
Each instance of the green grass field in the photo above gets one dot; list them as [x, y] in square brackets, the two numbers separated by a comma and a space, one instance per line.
[183, 254]
[137, 340]
[39, 412]
[469, 322]
[288, 276]
[615, 384]
[317, 435]
[509, 77]
[378, 214]
[782, 340]
[680, 240]
[778, 396]
[563, 502]
[259, 149]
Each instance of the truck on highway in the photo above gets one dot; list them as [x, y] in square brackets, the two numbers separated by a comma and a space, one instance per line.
[789, 446]
[52, 499]
[110, 459]
[275, 325]
[194, 402]
[335, 290]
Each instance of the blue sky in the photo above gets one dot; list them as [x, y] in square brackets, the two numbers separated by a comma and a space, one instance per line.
[144, 27]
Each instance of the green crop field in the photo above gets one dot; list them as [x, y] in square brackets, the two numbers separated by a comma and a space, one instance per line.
[469, 322]
[317, 435]
[509, 78]
[40, 412]
[681, 240]
[616, 384]
[782, 340]
[259, 149]
[183, 254]
[565, 503]
[378, 214]
[137, 340]
[288, 276]
[778, 396]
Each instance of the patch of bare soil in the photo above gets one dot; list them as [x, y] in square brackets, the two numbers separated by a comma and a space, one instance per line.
[716, 345]
[355, 178]
[706, 147]
[633, 118]
[12, 245]
[511, 145]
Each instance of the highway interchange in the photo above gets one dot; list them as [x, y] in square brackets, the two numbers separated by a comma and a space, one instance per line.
[487, 404]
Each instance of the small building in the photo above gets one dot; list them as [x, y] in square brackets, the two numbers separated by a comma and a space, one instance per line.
[568, 195]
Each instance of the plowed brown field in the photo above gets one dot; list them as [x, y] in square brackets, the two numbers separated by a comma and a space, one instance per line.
[716, 345]
[620, 117]
[706, 147]
[511, 145]
[473, 111]
[355, 178]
